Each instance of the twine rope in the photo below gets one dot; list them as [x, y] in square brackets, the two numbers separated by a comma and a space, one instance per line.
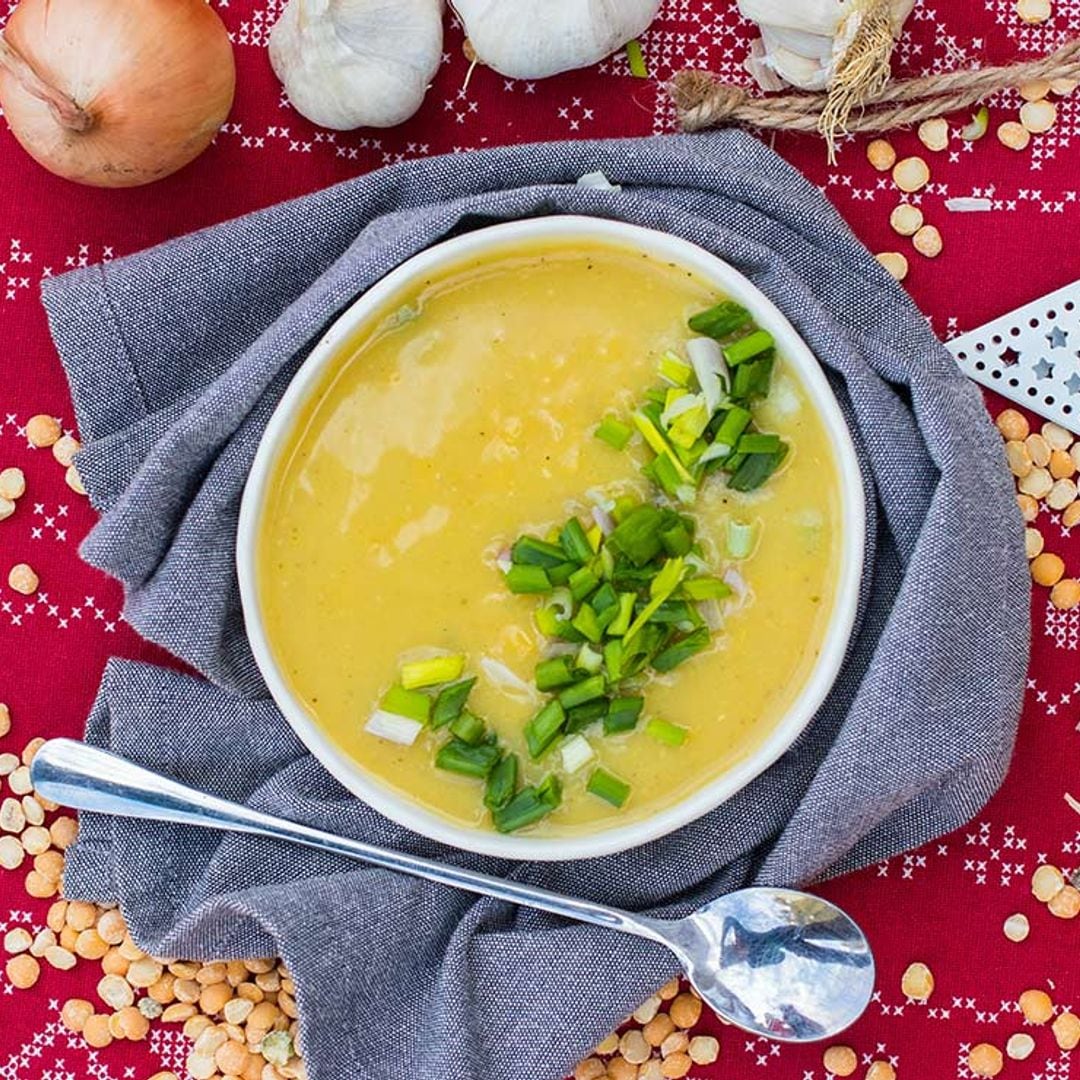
[705, 101]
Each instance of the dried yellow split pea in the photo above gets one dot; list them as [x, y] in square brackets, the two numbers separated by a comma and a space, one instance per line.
[927, 241]
[1013, 424]
[1013, 135]
[1017, 927]
[1020, 1046]
[1047, 882]
[1038, 116]
[1047, 569]
[12, 483]
[703, 1049]
[1066, 1029]
[906, 219]
[881, 1070]
[1035, 90]
[985, 1059]
[1034, 11]
[65, 448]
[840, 1061]
[934, 133]
[895, 263]
[23, 580]
[1037, 1006]
[911, 174]
[917, 982]
[881, 155]
[1066, 904]
[1033, 542]
[1065, 595]
[42, 430]
[1037, 483]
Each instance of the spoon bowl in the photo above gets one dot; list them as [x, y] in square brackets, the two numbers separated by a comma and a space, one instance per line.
[775, 962]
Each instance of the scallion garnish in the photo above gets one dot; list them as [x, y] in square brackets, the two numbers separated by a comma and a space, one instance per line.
[741, 537]
[525, 808]
[554, 673]
[432, 672]
[459, 757]
[738, 352]
[581, 692]
[681, 651]
[575, 543]
[609, 787]
[542, 729]
[622, 714]
[576, 753]
[614, 432]
[527, 579]
[531, 551]
[666, 732]
[451, 701]
[582, 716]
[468, 728]
[501, 782]
[720, 321]
[410, 703]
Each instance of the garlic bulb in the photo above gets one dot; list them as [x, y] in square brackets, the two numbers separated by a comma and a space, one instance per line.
[531, 39]
[805, 40]
[357, 63]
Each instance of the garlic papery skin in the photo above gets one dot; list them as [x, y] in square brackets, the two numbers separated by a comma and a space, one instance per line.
[532, 39]
[357, 63]
[805, 40]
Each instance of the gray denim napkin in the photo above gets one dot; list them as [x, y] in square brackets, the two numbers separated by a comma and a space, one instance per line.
[176, 358]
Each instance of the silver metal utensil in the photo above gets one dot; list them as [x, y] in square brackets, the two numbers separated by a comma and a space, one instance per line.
[775, 962]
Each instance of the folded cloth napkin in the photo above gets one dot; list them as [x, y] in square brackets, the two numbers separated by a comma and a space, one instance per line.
[176, 358]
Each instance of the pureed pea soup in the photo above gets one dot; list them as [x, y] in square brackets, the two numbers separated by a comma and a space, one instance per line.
[464, 419]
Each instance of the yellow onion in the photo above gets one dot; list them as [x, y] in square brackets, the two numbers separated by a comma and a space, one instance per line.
[115, 93]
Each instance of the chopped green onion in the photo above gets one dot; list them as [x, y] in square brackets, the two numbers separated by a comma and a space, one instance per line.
[682, 650]
[557, 671]
[663, 471]
[614, 432]
[741, 538]
[660, 588]
[637, 536]
[621, 623]
[439, 669]
[501, 782]
[549, 790]
[756, 469]
[451, 701]
[732, 426]
[623, 505]
[576, 753]
[561, 574]
[677, 539]
[758, 443]
[589, 660]
[460, 757]
[719, 321]
[575, 543]
[688, 426]
[581, 716]
[604, 598]
[582, 582]
[705, 588]
[585, 622]
[468, 728]
[748, 347]
[581, 692]
[410, 703]
[666, 732]
[542, 729]
[531, 551]
[527, 579]
[636, 59]
[752, 379]
[525, 808]
[608, 787]
[622, 714]
[613, 659]
[675, 370]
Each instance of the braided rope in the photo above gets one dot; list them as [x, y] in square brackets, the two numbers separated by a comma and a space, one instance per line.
[704, 101]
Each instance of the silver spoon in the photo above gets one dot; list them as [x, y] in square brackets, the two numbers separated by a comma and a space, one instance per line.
[774, 962]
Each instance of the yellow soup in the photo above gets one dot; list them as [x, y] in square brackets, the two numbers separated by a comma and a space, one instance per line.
[463, 417]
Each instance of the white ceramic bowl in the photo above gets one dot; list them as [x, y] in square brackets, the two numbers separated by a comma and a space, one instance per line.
[616, 837]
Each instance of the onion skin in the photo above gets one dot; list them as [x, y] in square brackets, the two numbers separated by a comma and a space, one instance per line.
[135, 89]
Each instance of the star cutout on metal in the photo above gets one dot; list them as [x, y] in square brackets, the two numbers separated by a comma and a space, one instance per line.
[1072, 383]
[1058, 338]
[1010, 357]
[1043, 369]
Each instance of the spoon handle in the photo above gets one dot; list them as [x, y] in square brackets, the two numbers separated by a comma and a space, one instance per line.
[87, 778]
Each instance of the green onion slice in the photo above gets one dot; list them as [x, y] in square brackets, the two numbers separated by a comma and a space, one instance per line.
[609, 787]
[432, 672]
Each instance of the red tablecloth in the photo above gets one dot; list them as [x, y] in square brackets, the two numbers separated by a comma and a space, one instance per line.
[943, 904]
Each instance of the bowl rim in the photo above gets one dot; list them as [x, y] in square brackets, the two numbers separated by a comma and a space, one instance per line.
[818, 683]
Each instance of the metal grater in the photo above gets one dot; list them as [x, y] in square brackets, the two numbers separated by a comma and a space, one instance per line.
[1031, 355]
